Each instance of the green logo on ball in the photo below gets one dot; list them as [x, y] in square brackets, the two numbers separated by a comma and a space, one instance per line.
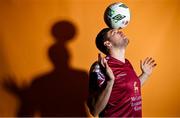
[123, 5]
[118, 17]
[110, 12]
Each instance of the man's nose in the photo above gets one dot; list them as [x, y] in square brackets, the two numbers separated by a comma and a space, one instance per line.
[121, 33]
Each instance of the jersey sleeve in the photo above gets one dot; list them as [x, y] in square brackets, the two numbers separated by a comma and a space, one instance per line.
[96, 78]
[96, 83]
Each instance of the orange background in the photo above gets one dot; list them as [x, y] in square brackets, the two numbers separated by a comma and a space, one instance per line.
[25, 37]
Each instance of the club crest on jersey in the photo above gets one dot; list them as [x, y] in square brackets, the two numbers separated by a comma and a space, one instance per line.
[136, 89]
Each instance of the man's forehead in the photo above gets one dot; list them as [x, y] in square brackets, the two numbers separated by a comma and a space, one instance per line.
[112, 30]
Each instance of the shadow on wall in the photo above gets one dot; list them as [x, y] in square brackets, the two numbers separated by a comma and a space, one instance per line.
[61, 92]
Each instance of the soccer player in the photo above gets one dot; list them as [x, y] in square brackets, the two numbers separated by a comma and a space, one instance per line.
[114, 87]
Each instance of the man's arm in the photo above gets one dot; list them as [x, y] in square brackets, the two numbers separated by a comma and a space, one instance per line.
[102, 99]
[147, 67]
[99, 102]
[143, 77]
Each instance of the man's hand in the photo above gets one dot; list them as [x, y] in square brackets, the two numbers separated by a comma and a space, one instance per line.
[147, 66]
[105, 65]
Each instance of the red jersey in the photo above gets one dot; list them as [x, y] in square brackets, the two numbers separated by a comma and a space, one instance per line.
[125, 98]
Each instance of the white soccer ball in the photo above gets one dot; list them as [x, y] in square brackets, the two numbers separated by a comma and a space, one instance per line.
[117, 15]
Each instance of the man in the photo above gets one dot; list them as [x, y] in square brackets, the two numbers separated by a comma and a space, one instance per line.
[114, 87]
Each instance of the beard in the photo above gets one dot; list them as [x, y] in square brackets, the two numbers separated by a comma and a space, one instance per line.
[121, 44]
[124, 43]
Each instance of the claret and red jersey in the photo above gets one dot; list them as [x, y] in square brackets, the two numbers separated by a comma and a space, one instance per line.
[125, 98]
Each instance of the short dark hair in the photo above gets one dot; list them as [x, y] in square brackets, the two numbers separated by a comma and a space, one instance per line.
[100, 38]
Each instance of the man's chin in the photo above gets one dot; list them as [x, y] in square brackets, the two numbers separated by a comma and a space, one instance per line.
[127, 40]
[126, 43]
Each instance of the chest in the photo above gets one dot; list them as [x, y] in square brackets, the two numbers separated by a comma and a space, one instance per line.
[126, 80]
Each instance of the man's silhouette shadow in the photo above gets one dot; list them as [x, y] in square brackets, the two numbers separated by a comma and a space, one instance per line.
[61, 92]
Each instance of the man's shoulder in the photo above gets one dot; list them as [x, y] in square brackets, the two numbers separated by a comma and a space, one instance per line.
[96, 74]
[95, 67]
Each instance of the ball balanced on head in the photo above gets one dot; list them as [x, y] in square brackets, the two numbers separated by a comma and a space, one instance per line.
[117, 15]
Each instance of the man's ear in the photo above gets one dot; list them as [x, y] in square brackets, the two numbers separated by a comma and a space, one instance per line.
[107, 44]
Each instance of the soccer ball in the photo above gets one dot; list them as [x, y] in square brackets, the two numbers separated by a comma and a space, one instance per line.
[117, 15]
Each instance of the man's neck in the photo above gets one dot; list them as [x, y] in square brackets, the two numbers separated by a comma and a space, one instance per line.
[118, 54]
